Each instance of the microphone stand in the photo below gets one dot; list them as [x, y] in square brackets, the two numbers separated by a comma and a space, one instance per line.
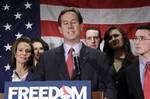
[77, 66]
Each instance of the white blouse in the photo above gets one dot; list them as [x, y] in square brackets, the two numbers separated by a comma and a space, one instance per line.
[16, 77]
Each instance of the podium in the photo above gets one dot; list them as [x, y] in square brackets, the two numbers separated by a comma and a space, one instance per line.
[51, 89]
[1, 96]
[95, 95]
[98, 95]
[48, 90]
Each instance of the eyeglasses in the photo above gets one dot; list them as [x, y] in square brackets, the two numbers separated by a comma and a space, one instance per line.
[141, 38]
[93, 37]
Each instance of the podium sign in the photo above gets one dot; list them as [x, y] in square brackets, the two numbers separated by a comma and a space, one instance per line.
[48, 90]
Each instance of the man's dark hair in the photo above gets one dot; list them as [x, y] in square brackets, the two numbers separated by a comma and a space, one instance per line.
[147, 27]
[93, 28]
[71, 9]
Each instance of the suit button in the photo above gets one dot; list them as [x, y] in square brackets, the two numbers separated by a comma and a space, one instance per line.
[116, 82]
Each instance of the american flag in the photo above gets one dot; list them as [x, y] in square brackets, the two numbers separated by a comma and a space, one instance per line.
[17, 18]
[126, 14]
[39, 18]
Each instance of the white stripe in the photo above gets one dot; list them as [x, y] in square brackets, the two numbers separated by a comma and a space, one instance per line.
[101, 16]
[53, 41]
[132, 47]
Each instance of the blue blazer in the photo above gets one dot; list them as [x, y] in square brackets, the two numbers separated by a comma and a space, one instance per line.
[9, 78]
[6, 76]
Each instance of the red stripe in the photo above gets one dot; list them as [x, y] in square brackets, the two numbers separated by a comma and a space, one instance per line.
[49, 28]
[98, 3]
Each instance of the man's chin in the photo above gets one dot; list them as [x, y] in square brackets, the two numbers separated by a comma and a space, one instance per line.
[93, 46]
[138, 53]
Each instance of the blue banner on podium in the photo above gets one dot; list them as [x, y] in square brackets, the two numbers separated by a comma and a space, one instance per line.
[48, 90]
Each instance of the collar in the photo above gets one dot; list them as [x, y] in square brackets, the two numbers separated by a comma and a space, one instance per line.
[143, 61]
[76, 47]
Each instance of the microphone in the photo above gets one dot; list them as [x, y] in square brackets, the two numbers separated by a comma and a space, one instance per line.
[77, 65]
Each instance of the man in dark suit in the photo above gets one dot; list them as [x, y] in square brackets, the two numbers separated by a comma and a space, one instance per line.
[136, 73]
[93, 65]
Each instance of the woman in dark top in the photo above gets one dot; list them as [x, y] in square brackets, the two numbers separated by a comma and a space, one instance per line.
[117, 48]
[39, 46]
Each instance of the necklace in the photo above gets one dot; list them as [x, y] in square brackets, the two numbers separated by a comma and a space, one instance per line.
[117, 64]
[20, 74]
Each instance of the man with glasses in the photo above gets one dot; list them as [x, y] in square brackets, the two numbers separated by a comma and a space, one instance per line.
[138, 75]
[93, 37]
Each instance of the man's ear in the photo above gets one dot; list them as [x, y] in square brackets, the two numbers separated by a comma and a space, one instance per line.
[60, 29]
[81, 27]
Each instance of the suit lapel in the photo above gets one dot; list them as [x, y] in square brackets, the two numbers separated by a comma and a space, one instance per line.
[83, 56]
[82, 60]
[61, 63]
[136, 80]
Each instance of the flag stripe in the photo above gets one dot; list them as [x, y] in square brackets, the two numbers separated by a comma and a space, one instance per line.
[127, 18]
[53, 41]
[100, 13]
[98, 3]
[102, 16]
[50, 28]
